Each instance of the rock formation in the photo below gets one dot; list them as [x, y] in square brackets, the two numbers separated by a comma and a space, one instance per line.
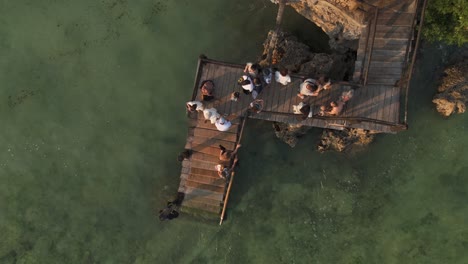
[340, 140]
[342, 20]
[452, 96]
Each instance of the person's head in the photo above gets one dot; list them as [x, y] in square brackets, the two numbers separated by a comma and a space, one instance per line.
[192, 108]
[333, 104]
[221, 120]
[284, 72]
[235, 96]
[244, 80]
[323, 108]
[311, 87]
[254, 68]
[266, 72]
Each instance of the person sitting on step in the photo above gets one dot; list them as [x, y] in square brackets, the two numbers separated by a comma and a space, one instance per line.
[337, 107]
[227, 155]
[267, 75]
[309, 87]
[207, 90]
[256, 106]
[223, 124]
[193, 106]
[258, 87]
[211, 114]
[225, 171]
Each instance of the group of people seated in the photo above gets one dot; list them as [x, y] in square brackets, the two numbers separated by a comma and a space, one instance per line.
[210, 114]
[334, 108]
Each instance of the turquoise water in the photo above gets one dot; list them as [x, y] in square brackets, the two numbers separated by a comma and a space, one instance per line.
[93, 120]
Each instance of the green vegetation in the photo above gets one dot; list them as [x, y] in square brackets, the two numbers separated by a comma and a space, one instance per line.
[447, 21]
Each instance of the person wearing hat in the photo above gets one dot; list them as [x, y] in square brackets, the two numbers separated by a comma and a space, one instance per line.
[222, 124]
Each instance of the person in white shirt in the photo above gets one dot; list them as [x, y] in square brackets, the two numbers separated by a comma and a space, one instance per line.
[246, 83]
[309, 87]
[211, 114]
[193, 106]
[222, 124]
[282, 77]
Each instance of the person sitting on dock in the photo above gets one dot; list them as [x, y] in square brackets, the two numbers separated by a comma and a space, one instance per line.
[224, 171]
[211, 114]
[309, 87]
[282, 76]
[223, 124]
[337, 107]
[252, 69]
[207, 90]
[302, 109]
[246, 83]
[256, 106]
[227, 155]
[193, 106]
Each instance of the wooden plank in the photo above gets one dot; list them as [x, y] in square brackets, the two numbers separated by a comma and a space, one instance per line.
[201, 199]
[202, 206]
[200, 123]
[202, 186]
[389, 53]
[207, 165]
[204, 172]
[384, 99]
[207, 133]
[395, 105]
[215, 181]
[231, 87]
[211, 151]
[384, 71]
[199, 156]
[386, 64]
[199, 144]
[395, 20]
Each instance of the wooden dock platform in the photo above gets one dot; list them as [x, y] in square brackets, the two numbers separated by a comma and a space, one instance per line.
[380, 84]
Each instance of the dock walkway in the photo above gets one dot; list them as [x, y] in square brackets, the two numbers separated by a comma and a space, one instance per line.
[380, 83]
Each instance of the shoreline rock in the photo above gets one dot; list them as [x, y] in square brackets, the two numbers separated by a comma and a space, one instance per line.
[452, 96]
[341, 140]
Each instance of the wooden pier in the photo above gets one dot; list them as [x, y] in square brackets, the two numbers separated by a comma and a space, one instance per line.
[380, 82]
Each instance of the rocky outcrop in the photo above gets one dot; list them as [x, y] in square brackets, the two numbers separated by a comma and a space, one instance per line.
[341, 140]
[290, 134]
[342, 20]
[452, 96]
[298, 58]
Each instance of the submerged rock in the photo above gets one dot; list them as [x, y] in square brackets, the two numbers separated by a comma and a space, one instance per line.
[341, 140]
[452, 96]
[290, 134]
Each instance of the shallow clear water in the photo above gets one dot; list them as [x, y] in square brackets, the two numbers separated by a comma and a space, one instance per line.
[93, 119]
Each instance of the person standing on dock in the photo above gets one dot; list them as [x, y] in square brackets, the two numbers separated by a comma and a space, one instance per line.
[283, 77]
[252, 69]
[246, 83]
[207, 90]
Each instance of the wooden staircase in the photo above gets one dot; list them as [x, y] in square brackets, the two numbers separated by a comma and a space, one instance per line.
[382, 50]
[204, 191]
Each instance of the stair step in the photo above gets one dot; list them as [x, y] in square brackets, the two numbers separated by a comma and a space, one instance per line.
[191, 192]
[202, 186]
[202, 206]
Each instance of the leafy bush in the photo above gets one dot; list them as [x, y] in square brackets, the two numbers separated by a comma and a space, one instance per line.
[447, 21]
